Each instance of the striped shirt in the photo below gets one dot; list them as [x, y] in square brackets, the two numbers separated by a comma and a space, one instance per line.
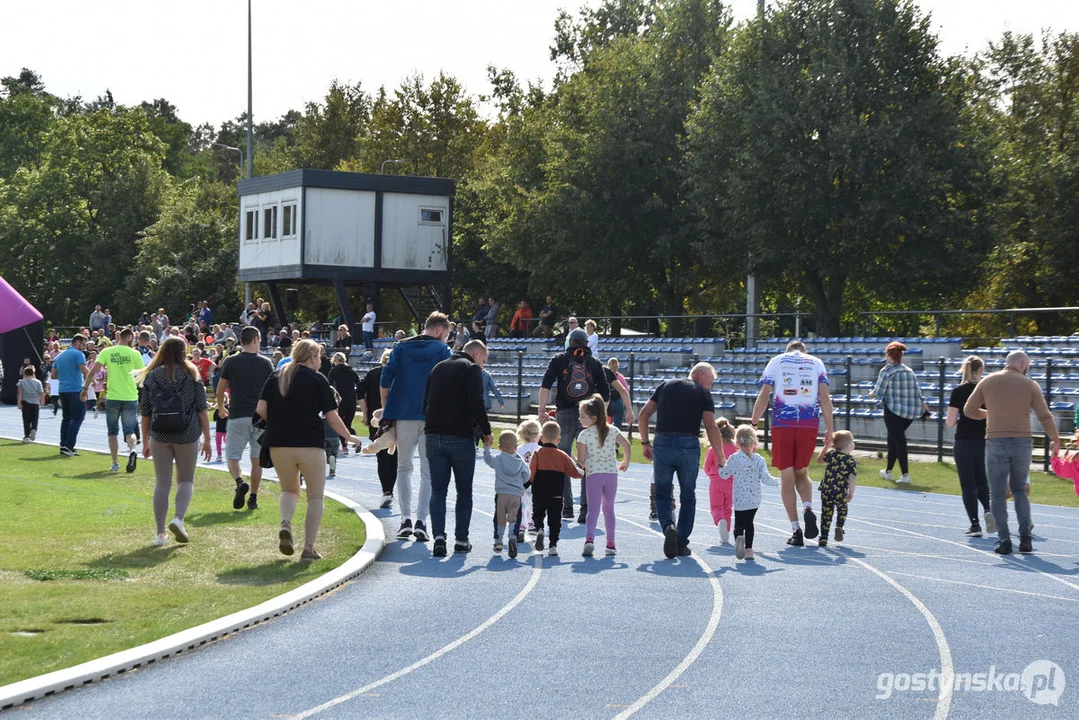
[897, 387]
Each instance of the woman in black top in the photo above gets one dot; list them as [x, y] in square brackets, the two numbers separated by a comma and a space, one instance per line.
[294, 400]
[969, 449]
[263, 320]
[343, 341]
[345, 380]
[371, 400]
[173, 408]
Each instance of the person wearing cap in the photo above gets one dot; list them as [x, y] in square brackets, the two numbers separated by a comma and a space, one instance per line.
[577, 359]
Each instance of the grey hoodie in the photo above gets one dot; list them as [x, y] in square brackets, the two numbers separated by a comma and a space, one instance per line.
[511, 473]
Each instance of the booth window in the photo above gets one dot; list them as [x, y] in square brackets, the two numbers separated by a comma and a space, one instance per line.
[288, 220]
[432, 216]
[251, 225]
[269, 224]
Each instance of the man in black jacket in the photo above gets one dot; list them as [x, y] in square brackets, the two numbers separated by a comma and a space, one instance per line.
[579, 376]
[454, 411]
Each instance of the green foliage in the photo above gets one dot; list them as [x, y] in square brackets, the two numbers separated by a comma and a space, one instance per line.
[832, 141]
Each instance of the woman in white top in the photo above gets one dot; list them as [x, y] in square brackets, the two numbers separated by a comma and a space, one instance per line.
[597, 447]
[593, 337]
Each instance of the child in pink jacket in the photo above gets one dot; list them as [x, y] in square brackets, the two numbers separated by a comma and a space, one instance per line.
[720, 491]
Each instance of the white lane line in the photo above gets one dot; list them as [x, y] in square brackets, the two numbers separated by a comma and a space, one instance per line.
[947, 668]
[698, 648]
[987, 587]
[508, 607]
[1005, 558]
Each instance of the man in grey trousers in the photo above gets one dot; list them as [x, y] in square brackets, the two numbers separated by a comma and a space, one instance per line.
[1008, 397]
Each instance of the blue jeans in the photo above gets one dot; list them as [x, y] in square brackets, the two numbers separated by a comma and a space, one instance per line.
[369, 339]
[117, 410]
[74, 413]
[446, 453]
[569, 422]
[1007, 465]
[682, 455]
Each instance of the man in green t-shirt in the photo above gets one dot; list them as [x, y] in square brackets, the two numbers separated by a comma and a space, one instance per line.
[122, 395]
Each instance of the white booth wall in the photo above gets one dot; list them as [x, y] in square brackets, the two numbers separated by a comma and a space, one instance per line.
[340, 228]
[262, 249]
[409, 241]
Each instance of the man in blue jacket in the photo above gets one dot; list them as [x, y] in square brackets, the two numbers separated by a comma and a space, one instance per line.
[403, 381]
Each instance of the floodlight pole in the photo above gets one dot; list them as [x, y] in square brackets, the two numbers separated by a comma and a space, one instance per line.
[237, 150]
[753, 298]
[250, 128]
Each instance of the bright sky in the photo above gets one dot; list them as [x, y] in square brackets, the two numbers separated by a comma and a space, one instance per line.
[193, 53]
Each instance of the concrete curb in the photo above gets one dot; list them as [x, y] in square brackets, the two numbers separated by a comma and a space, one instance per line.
[137, 657]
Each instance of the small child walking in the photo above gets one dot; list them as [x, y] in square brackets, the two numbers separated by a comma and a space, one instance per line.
[29, 396]
[748, 471]
[837, 486]
[511, 474]
[528, 432]
[597, 453]
[720, 489]
[221, 426]
[549, 467]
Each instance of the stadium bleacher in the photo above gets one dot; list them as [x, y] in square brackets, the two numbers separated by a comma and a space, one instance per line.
[647, 361]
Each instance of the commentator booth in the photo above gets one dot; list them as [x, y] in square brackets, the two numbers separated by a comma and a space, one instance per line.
[341, 229]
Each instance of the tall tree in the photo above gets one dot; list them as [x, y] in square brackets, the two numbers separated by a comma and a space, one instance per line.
[832, 143]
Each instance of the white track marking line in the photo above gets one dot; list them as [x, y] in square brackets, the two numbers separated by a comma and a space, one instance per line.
[433, 656]
[947, 669]
[987, 587]
[1005, 558]
[698, 648]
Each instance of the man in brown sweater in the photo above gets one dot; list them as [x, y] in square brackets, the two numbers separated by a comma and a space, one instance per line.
[1009, 396]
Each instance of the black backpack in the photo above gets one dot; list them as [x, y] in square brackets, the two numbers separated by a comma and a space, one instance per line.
[577, 378]
[170, 415]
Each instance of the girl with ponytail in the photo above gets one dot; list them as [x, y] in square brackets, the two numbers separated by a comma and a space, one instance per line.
[597, 448]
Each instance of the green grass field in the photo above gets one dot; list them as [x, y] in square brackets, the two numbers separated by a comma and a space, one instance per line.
[80, 577]
[935, 477]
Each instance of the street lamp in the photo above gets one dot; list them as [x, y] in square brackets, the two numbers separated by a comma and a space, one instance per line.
[236, 150]
[382, 170]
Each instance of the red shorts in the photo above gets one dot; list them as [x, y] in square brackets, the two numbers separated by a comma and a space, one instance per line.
[793, 447]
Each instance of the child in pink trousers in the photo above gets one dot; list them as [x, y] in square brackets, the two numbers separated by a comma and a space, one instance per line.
[720, 490]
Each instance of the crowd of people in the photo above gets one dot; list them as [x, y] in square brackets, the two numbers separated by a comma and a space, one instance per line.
[296, 412]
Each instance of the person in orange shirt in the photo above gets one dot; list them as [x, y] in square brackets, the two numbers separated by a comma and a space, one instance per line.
[521, 320]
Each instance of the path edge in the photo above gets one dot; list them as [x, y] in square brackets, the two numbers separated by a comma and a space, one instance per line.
[136, 658]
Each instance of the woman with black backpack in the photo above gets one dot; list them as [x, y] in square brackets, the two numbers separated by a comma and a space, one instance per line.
[173, 408]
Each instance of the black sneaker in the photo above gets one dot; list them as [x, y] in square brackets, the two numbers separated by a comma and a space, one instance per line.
[241, 492]
[513, 547]
[420, 533]
[252, 502]
[462, 547]
[810, 520]
[405, 531]
[796, 539]
[974, 531]
[439, 549]
[582, 518]
[1004, 547]
[67, 452]
[670, 541]
[521, 536]
[539, 540]
[684, 551]
[653, 515]
[132, 460]
[1025, 545]
[567, 513]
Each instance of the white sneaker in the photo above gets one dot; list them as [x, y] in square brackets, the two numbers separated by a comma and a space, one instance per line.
[991, 524]
[724, 532]
[904, 479]
[387, 500]
[610, 551]
[33, 435]
[885, 475]
[177, 528]
[159, 540]
[589, 548]
[740, 547]
[552, 552]
[27, 439]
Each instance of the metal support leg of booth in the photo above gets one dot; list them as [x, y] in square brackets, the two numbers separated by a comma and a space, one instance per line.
[346, 307]
[280, 311]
